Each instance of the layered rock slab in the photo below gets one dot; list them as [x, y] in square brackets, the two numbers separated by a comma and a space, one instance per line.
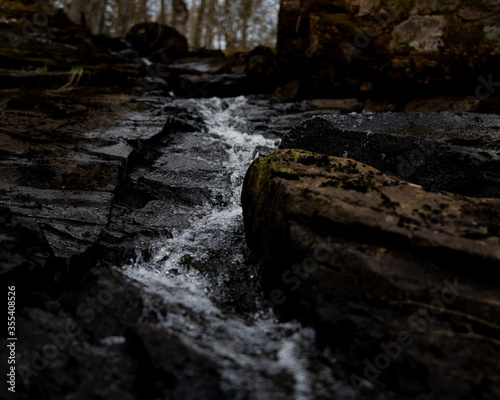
[376, 263]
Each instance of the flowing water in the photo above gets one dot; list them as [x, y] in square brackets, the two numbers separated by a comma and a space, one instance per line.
[204, 275]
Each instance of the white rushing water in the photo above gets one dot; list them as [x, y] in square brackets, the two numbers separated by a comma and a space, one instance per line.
[257, 356]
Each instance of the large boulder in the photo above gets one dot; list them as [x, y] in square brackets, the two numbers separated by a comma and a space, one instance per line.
[169, 366]
[150, 37]
[387, 45]
[398, 280]
[457, 152]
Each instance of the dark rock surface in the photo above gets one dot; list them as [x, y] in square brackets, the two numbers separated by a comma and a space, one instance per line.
[449, 151]
[206, 86]
[171, 368]
[26, 252]
[397, 279]
[150, 37]
[65, 351]
[52, 175]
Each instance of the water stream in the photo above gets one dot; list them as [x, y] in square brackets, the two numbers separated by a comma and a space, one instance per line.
[206, 280]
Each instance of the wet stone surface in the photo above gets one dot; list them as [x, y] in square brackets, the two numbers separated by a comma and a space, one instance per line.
[150, 236]
[159, 295]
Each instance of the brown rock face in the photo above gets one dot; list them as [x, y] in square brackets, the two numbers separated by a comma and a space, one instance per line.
[375, 263]
[340, 44]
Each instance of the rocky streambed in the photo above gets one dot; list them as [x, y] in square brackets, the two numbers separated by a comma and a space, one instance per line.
[127, 244]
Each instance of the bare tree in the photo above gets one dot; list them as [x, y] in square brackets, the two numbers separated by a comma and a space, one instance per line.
[125, 16]
[245, 15]
[78, 11]
[210, 24]
[161, 20]
[96, 14]
[142, 13]
[102, 16]
[180, 15]
[198, 28]
[229, 25]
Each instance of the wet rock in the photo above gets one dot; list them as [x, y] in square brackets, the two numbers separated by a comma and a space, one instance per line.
[441, 103]
[150, 37]
[261, 61]
[120, 151]
[63, 179]
[172, 369]
[112, 44]
[443, 151]
[199, 65]
[105, 303]
[190, 176]
[288, 92]
[75, 346]
[156, 84]
[206, 86]
[382, 269]
[71, 200]
[204, 62]
[25, 252]
[337, 106]
[180, 124]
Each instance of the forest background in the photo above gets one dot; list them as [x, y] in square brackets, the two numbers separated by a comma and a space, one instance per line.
[212, 24]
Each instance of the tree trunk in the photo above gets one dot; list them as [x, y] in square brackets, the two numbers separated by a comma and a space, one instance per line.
[161, 20]
[101, 17]
[246, 11]
[256, 23]
[229, 31]
[199, 24]
[180, 15]
[141, 17]
[77, 11]
[95, 16]
[125, 16]
[210, 24]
